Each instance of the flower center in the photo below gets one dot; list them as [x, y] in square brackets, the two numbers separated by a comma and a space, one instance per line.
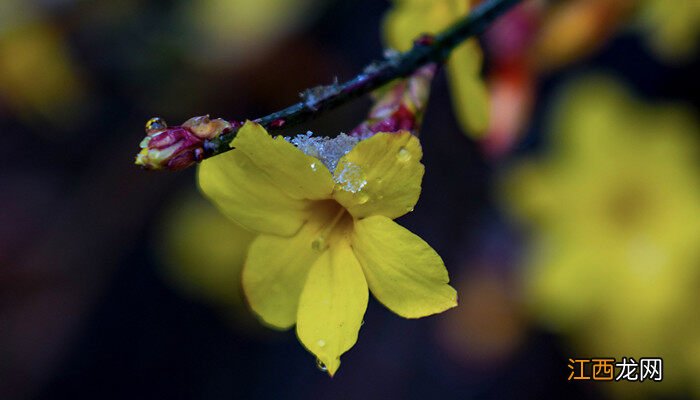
[337, 221]
[628, 206]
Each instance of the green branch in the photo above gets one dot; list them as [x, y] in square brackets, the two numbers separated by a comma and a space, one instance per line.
[426, 49]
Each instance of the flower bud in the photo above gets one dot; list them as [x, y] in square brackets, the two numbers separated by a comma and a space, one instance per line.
[400, 107]
[205, 128]
[177, 147]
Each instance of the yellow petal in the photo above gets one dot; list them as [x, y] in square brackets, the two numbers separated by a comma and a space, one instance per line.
[276, 269]
[332, 305]
[245, 194]
[470, 98]
[403, 272]
[380, 175]
[409, 19]
[300, 176]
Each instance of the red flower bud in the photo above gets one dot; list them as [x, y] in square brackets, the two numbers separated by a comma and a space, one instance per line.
[177, 147]
[399, 107]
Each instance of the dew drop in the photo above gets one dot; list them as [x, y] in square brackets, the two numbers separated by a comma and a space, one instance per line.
[320, 365]
[314, 167]
[321, 343]
[155, 124]
[318, 244]
[362, 198]
[362, 323]
[403, 155]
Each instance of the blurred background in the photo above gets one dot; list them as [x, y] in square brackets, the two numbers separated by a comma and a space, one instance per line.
[570, 230]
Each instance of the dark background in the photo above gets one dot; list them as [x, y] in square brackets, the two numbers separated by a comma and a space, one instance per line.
[84, 310]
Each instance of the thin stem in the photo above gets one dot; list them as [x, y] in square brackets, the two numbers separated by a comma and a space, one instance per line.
[428, 49]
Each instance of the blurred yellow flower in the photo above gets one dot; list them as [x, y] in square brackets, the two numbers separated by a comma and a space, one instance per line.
[673, 26]
[324, 237]
[203, 252]
[239, 30]
[38, 77]
[613, 209]
[408, 19]
[573, 29]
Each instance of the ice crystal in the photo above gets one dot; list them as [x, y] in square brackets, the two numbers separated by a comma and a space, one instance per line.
[328, 150]
[350, 177]
[311, 97]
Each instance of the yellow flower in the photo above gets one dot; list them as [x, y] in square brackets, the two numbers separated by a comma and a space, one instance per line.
[409, 19]
[576, 28]
[38, 78]
[614, 215]
[325, 238]
[570, 30]
[673, 27]
[195, 258]
[238, 31]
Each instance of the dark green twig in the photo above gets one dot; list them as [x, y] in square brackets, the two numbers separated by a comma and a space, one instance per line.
[177, 147]
[428, 49]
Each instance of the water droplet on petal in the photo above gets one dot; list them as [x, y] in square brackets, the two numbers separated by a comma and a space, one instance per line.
[409, 209]
[321, 343]
[314, 167]
[318, 244]
[320, 365]
[155, 124]
[403, 155]
[362, 198]
[362, 323]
